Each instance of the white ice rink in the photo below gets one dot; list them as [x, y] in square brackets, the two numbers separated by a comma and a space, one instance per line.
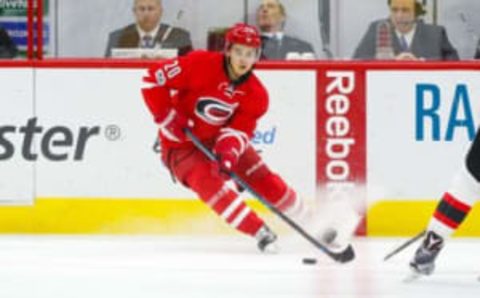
[144, 267]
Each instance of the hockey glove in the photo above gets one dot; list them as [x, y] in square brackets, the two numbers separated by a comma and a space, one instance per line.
[171, 126]
[228, 148]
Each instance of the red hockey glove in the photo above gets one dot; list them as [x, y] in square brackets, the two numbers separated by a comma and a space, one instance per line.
[229, 146]
[171, 126]
[227, 160]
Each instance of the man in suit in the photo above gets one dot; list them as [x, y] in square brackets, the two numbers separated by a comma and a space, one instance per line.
[408, 37]
[477, 51]
[148, 31]
[276, 45]
[8, 49]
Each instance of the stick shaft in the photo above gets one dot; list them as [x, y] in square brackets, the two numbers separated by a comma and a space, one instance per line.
[277, 212]
[405, 245]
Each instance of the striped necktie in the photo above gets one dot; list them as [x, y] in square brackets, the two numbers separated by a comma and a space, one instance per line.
[147, 41]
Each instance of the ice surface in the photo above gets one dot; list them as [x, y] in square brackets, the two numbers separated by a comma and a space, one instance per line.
[230, 266]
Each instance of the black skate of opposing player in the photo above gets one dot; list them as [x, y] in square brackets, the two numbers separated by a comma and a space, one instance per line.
[423, 262]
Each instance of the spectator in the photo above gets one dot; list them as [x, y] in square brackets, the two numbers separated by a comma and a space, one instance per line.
[276, 45]
[477, 51]
[407, 37]
[148, 31]
[8, 49]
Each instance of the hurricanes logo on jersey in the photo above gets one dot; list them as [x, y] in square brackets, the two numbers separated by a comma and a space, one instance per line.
[214, 111]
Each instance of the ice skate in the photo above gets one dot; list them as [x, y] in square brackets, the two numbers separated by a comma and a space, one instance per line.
[423, 262]
[267, 240]
[330, 238]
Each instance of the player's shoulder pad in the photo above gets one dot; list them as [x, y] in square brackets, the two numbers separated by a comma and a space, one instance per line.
[257, 87]
[258, 93]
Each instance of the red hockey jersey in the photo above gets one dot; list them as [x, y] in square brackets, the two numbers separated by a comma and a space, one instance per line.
[197, 85]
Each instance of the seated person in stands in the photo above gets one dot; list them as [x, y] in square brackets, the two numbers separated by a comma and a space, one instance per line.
[405, 36]
[149, 32]
[8, 49]
[271, 17]
[477, 51]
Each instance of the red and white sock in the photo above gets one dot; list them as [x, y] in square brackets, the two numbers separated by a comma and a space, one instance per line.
[455, 205]
[231, 208]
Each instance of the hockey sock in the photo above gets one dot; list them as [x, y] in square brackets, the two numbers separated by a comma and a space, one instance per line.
[270, 186]
[234, 211]
[222, 199]
[455, 205]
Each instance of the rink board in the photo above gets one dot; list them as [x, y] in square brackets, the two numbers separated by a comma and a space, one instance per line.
[92, 144]
[96, 169]
[16, 102]
[420, 125]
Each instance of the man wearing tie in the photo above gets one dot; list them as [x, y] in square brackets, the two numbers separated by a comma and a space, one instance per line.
[148, 31]
[276, 45]
[411, 38]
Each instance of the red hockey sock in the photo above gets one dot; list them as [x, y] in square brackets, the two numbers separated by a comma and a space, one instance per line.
[269, 185]
[213, 190]
[231, 208]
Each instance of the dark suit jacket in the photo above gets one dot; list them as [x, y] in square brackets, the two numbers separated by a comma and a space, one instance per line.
[429, 42]
[477, 52]
[7, 48]
[128, 37]
[272, 51]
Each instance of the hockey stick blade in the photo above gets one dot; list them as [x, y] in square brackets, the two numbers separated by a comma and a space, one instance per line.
[411, 277]
[404, 245]
[344, 256]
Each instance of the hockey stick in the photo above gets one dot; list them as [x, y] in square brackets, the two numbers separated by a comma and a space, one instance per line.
[404, 245]
[170, 28]
[342, 257]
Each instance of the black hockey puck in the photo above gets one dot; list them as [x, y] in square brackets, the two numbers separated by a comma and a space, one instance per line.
[309, 261]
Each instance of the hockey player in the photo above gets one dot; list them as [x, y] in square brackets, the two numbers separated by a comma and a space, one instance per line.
[220, 99]
[452, 209]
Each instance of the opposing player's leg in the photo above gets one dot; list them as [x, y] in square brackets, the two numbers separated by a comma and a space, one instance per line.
[451, 211]
[193, 169]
